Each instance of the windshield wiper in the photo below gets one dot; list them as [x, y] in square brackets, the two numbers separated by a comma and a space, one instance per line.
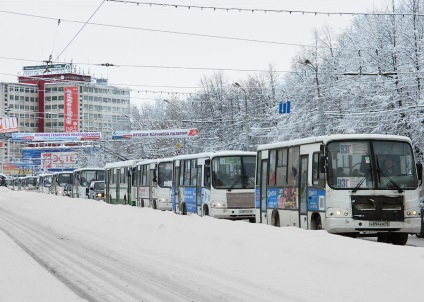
[390, 180]
[234, 184]
[362, 181]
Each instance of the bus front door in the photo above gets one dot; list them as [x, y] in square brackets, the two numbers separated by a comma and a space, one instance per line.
[303, 189]
[199, 190]
[263, 181]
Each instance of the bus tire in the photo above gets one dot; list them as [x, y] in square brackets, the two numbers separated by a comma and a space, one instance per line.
[125, 199]
[142, 203]
[252, 220]
[399, 238]
[316, 223]
[154, 205]
[205, 210]
[275, 220]
[183, 209]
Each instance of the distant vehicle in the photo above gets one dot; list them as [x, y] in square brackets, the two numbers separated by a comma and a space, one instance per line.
[151, 183]
[96, 190]
[81, 179]
[30, 183]
[59, 181]
[118, 182]
[44, 183]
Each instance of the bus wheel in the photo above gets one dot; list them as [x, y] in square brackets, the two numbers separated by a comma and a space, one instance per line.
[316, 223]
[252, 220]
[183, 209]
[154, 205]
[275, 219]
[142, 203]
[125, 199]
[205, 211]
[399, 238]
[383, 238]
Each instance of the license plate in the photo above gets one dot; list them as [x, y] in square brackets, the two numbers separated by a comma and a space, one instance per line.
[379, 223]
[246, 211]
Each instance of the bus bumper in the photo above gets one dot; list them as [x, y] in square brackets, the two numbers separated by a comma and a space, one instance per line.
[232, 213]
[348, 225]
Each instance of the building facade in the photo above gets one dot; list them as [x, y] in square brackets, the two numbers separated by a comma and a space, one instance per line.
[55, 98]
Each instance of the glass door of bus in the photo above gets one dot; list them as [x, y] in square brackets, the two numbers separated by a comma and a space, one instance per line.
[199, 190]
[303, 192]
[263, 195]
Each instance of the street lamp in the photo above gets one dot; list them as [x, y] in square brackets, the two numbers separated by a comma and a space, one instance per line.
[246, 116]
[314, 68]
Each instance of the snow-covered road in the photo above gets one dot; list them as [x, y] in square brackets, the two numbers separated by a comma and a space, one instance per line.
[98, 270]
[101, 252]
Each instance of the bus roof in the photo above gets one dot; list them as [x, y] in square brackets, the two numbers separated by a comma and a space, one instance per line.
[327, 138]
[88, 169]
[154, 161]
[125, 163]
[214, 154]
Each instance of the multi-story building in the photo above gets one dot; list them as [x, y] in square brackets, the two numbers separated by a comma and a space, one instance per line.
[55, 98]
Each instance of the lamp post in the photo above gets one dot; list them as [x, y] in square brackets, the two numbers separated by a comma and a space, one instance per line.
[314, 68]
[246, 116]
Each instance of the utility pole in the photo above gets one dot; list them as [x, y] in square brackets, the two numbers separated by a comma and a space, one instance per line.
[318, 96]
[246, 116]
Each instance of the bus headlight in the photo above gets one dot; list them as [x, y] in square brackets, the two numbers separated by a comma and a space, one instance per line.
[337, 212]
[218, 204]
[412, 213]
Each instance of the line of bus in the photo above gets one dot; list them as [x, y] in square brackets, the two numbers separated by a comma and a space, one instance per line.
[357, 185]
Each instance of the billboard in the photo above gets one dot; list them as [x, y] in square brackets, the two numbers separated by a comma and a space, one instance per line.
[175, 133]
[58, 160]
[47, 69]
[8, 124]
[42, 137]
[17, 169]
[71, 109]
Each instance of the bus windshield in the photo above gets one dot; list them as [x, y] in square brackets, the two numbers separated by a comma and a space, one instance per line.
[233, 172]
[64, 179]
[31, 181]
[165, 174]
[371, 165]
[88, 176]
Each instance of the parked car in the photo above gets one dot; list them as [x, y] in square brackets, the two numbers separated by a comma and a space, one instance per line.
[96, 190]
[421, 234]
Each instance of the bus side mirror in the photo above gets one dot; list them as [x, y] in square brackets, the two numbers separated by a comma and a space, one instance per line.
[322, 164]
[155, 178]
[208, 168]
[420, 171]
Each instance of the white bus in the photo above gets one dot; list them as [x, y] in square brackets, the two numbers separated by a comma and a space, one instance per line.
[44, 183]
[342, 184]
[151, 183]
[30, 183]
[118, 182]
[217, 184]
[81, 179]
[59, 182]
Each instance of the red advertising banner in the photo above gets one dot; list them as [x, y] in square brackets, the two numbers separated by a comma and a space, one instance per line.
[71, 109]
[8, 124]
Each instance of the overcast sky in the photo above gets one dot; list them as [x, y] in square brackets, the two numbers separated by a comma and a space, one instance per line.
[29, 39]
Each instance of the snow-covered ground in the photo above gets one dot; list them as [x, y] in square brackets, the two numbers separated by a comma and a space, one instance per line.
[88, 250]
